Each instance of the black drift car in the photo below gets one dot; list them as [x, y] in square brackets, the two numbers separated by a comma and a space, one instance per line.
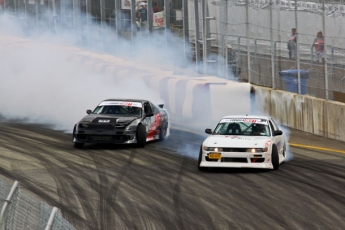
[122, 121]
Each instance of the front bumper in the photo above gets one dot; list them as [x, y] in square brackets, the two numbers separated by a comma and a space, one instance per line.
[105, 136]
[238, 160]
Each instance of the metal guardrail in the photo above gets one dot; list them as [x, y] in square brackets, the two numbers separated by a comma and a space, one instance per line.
[20, 208]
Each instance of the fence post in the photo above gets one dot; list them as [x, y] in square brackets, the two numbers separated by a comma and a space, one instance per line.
[197, 34]
[7, 201]
[54, 16]
[297, 53]
[51, 219]
[118, 24]
[167, 26]
[186, 45]
[247, 36]
[37, 16]
[133, 24]
[226, 42]
[272, 46]
[311, 54]
[325, 48]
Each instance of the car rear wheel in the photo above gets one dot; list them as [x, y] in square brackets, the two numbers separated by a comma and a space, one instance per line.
[141, 136]
[275, 158]
[163, 132]
[199, 161]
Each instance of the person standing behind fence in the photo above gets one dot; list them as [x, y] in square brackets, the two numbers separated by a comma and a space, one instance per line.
[143, 17]
[319, 54]
[234, 70]
[292, 44]
[155, 7]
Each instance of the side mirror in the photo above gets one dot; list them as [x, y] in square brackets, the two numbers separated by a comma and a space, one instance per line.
[208, 131]
[161, 106]
[88, 111]
[278, 133]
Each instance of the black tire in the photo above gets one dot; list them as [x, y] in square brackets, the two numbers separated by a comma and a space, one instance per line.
[284, 152]
[199, 161]
[275, 158]
[141, 136]
[163, 132]
[76, 144]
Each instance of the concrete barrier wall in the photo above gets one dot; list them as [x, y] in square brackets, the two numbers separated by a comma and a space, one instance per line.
[205, 97]
[309, 114]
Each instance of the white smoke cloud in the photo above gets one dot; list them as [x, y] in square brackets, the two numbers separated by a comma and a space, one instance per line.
[43, 85]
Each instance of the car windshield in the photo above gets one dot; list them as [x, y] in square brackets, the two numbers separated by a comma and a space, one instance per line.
[242, 127]
[118, 110]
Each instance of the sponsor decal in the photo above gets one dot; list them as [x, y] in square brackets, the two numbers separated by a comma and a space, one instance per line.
[241, 138]
[122, 103]
[261, 121]
[104, 121]
[158, 19]
[268, 143]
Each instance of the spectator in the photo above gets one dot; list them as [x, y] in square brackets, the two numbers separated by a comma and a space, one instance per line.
[143, 16]
[231, 55]
[172, 17]
[155, 7]
[319, 54]
[292, 44]
[234, 70]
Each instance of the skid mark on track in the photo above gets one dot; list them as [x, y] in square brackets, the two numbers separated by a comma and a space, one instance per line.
[68, 190]
[108, 193]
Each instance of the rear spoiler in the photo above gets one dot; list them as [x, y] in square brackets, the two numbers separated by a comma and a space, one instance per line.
[161, 106]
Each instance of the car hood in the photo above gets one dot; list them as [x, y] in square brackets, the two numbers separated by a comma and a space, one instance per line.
[236, 141]
[108, 119]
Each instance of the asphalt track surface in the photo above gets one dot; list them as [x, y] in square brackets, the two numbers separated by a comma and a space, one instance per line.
[159, 187]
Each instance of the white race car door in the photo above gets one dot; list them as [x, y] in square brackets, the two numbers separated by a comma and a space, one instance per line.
[278, 139]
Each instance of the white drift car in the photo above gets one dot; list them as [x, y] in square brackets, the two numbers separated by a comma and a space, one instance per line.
[243, 142]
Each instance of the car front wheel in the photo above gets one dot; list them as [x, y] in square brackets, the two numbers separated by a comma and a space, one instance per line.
[275, 158]
[141, 136]
[199, 162]
[76, 144]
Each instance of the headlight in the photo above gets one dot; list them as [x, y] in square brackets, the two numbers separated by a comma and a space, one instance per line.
[84, 125]
[133, 125]
[258, 150]
[212, 149]
[131, 128]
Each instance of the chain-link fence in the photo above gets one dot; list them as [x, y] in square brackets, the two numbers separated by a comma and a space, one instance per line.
[23, 210]
[267, 53]
[100, 23]
[263, 49]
